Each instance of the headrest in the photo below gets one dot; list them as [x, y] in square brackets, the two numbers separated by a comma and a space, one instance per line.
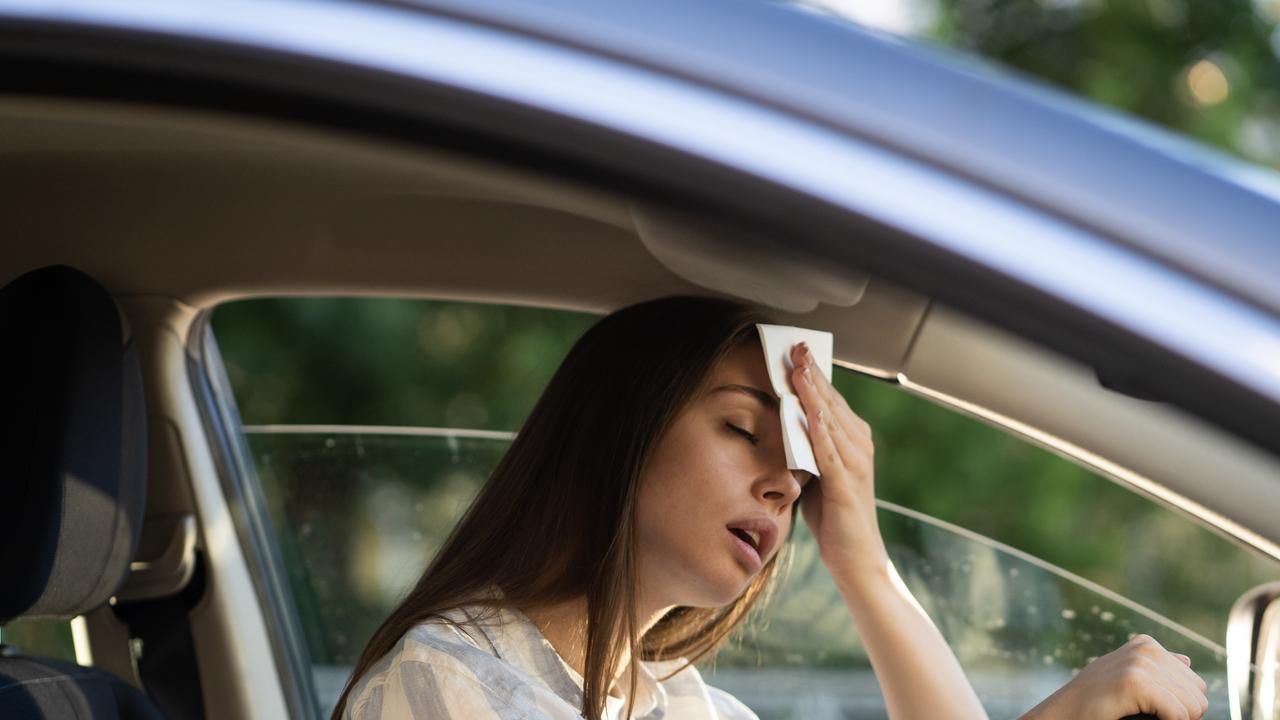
[73, 444]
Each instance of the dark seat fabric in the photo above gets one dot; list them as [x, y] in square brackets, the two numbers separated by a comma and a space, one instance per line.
[45, 688]
[73, 439]
[74, 444]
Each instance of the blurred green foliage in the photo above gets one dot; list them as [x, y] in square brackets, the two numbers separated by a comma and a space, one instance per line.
[966, 472]
[40, 638]
[386, 362]
[1206, 69]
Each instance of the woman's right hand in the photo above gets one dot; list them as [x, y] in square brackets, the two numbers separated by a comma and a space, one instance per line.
[1139, 677]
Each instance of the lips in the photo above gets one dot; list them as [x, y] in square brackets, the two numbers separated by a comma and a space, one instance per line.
[755, 537]
[752, 538]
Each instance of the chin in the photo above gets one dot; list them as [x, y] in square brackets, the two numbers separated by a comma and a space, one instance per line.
[719, 588]
[694, 577]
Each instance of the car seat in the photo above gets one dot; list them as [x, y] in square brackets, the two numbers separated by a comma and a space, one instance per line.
[74, 485]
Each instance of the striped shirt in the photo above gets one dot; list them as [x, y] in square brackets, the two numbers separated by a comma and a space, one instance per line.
[502, 668]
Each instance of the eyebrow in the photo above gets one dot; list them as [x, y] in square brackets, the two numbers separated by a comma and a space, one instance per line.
[764, 398]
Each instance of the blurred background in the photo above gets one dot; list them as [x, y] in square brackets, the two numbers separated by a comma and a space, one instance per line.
[1206, 69]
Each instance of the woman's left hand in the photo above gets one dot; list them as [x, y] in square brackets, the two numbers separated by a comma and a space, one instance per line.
[839, 506]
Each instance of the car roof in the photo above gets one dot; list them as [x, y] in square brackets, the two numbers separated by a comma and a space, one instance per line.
[1206, 214]
[1199, 210]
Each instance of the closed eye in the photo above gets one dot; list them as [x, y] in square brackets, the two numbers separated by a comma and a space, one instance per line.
[749, 436]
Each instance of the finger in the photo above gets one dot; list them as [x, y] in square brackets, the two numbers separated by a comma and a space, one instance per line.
[811, 401]
[814, 390]
[804, 382]
[853, 456]
[1174, 671]
[1181, 669]
[1174, 677]
[825, 451]
[844, 416]
[1178, 666]
[1159, 701]
[853, 423]
[855, 447]
[1192, 699]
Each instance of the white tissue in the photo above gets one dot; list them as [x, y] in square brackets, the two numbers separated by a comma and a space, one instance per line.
[777, 341]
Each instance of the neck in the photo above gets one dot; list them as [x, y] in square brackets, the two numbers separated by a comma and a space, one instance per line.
[564, 625]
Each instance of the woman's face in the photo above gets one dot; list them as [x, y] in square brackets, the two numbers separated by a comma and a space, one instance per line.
[715, 501]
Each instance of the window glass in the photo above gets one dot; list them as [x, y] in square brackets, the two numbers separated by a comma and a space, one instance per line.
[390, 362]
[1029, 564]
[357, 516]
[973, 475]
[1019, 627]
[40, 638]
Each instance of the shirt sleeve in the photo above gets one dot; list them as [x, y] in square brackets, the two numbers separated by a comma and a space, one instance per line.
[421, 691]
[729, 707]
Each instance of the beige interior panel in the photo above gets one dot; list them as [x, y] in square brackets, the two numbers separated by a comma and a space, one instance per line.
[238, 673]
[874, 335]
[204, 208]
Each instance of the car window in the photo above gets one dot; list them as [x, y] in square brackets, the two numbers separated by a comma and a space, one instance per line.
[40, 638]
[372, 423]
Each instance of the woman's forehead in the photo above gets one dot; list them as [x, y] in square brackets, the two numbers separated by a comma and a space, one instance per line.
[743, 366]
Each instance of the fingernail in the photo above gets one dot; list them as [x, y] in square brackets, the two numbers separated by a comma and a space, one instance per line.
[804, 373]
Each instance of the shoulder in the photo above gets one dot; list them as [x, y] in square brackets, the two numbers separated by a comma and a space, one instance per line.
[411, 689]
[729, 707]
[437, 670]
[687, 688]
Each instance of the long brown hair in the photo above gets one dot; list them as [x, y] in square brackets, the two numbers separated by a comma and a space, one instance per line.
[556, 519]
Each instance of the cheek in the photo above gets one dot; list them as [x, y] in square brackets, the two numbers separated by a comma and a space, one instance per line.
[676, 506]
[691, 467]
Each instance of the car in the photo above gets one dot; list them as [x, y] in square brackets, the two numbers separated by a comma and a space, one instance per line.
[1009, 273]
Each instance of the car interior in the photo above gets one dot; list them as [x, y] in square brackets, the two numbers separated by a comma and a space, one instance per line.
[166, 213]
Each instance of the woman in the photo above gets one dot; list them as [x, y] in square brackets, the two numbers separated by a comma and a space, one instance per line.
[640, 513]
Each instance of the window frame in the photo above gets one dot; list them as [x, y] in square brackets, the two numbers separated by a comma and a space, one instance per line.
[237, 475]
[256, 527]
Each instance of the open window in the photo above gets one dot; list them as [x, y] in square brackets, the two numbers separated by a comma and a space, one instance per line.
[372, 422]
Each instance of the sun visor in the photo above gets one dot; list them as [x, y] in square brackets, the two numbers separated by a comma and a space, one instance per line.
[721, 259]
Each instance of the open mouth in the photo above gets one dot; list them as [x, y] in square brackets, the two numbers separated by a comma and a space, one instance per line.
[750, 538]
[753, 537]
[747, 547]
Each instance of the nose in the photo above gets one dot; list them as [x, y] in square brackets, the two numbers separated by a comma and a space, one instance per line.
[781, 487]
